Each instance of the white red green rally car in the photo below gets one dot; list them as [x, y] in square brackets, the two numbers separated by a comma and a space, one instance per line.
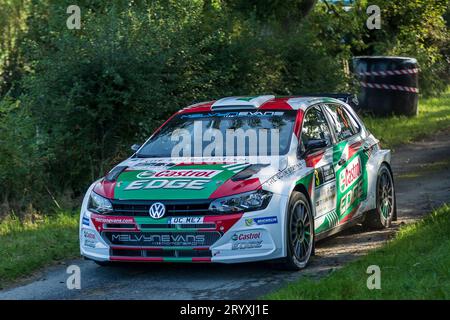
[313, 170]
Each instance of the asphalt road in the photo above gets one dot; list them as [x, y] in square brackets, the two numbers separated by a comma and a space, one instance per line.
[422, 175]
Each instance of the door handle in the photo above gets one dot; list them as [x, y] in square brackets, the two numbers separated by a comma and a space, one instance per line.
[341, 161]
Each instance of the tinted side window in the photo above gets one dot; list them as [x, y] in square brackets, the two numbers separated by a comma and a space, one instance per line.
[341, 122]
[315, 126]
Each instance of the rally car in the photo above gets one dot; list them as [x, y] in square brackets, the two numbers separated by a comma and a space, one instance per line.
[240, 179]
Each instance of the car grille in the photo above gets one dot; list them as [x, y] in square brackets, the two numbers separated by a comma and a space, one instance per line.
[140, 208]
[161, 253]
[178, 226]
[153, 241]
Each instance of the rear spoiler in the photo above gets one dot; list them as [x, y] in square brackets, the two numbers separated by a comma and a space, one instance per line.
[349, 98]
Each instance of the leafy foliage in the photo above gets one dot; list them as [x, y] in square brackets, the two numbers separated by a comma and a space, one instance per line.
[416, 28]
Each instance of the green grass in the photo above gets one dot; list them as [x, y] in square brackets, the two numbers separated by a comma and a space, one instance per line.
[414, 265]
[27, 246]
[434, 115]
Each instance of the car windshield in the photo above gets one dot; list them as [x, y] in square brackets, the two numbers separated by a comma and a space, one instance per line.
[226, 133]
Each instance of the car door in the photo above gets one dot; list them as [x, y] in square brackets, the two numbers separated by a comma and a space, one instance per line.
[349, 162]
[316, 127]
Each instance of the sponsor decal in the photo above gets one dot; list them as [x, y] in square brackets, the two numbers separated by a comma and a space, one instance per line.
[202, 174]
[199, 183]
[261, 221]
[246, 245]
[266, 220]
[286, 173]
[333, 218]
[349, 174]
[249, 222]
[89, 243]
[186, 220]
[233, 114]
[90, 239]
[324, 174]
[328, 172]
[246, 236]
[326, 198]
[247, 240]
[88, 234]
[111, 220]
[150, 165]
[85, 221]
[153, 163]
[145, 174]
[262, 114]
[167, 184]
[162, 239]
[351, 197]
[316, 175]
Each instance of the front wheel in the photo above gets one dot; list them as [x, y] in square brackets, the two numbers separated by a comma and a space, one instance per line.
[299, 233]
[381, 217]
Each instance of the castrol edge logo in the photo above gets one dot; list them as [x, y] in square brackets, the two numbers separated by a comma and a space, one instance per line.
[191, 179]
[351, 172]
[189, 173]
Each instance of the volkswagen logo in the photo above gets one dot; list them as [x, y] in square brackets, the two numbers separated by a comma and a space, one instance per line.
[157, 210]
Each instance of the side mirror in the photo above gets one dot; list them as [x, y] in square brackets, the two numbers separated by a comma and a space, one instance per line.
[316, 144]
[311, 145]
[135, 147]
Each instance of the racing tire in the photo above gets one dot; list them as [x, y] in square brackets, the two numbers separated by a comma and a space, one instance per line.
[381, 217]
[299, 232]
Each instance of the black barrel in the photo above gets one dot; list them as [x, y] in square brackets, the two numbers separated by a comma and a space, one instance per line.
[388, 85]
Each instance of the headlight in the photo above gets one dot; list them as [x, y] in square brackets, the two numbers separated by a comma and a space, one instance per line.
[249, 201]
[99, 204]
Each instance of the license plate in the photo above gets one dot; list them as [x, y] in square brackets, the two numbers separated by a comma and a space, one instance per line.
[186, 220]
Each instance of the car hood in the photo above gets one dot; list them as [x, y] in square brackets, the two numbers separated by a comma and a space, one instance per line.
[166, 179]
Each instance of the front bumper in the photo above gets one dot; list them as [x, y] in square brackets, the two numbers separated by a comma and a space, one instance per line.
[230, 238]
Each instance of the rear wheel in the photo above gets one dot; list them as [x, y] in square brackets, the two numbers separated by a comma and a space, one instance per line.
[299, 233]
[382, 215]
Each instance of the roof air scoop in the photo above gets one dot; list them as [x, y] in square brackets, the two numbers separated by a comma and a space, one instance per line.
[233, 103]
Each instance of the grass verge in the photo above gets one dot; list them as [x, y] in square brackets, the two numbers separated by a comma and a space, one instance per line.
[414, 265]
[434, 115]
[27, 246]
